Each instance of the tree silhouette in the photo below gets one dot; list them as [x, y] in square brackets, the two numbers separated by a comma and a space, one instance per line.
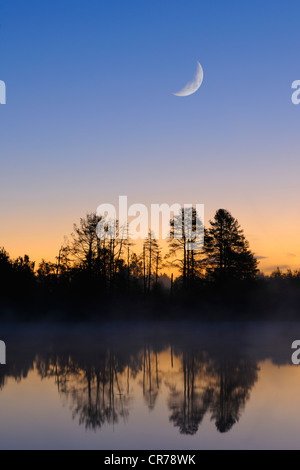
[189, 261]
[46, 269]
[6, 272]
[99, 257]
[227, 250]
[151, 259]
[84, 242]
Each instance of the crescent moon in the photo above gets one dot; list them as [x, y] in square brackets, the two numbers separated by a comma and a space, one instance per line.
[194, 85]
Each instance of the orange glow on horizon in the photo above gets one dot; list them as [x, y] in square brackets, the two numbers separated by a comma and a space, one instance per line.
[41, 238]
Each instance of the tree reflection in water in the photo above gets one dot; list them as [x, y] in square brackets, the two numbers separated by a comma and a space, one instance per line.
[97, 392]
[209, 385]
[99, 383]
[234, 382]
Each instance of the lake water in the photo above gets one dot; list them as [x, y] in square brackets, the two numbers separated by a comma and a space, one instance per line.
[154, 386]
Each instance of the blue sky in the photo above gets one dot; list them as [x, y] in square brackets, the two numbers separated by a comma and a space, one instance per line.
[90, 113]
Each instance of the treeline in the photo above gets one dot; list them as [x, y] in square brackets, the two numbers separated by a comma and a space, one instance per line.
[98, 275]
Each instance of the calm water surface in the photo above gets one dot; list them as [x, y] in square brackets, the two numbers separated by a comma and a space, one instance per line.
[157, 386]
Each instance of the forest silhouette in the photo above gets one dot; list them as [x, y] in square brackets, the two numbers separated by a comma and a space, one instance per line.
[95, 278]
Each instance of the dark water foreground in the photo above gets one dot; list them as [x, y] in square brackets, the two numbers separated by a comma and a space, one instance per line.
[152, 386]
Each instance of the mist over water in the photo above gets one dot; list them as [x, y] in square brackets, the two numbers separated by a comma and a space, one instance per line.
[157, 386]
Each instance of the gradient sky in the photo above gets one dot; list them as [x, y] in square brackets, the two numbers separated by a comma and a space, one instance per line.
[90, 116]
